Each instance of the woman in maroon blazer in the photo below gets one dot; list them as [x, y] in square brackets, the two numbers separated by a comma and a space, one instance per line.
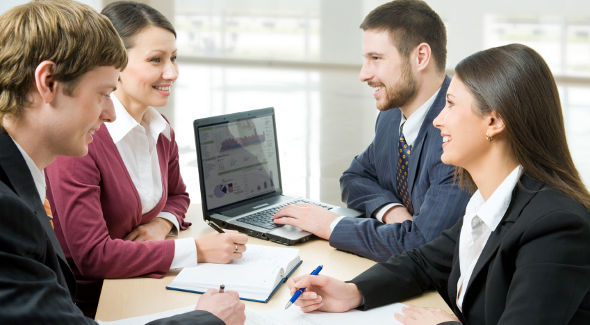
[114, 208]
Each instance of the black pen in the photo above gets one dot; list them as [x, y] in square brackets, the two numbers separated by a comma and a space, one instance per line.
[215, 226]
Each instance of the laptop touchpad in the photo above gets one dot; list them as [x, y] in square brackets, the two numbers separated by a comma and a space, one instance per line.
[289, 231]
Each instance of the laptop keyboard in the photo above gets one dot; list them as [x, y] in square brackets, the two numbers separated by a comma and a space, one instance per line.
[263, 218]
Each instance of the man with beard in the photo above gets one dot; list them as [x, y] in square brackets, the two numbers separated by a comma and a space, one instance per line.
[399, 181]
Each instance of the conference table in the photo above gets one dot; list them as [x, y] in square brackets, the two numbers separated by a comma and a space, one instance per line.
[123, 298]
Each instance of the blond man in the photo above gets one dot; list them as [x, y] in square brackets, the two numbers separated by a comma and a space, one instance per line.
[59, 62]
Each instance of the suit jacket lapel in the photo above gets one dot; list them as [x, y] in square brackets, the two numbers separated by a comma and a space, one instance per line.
[433, 111]
[454, 276]
[522, 194]
[21, 181]
[18, 173]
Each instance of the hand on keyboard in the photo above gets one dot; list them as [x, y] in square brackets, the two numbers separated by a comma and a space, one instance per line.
[264, 218]
[308, 217]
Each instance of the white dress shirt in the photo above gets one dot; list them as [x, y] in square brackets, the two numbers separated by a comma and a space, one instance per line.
[136, 144]
[38, 174]
[481, 218]
[411, 129]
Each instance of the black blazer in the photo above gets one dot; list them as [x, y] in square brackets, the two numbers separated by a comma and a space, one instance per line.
[36, 284]
[534, 269]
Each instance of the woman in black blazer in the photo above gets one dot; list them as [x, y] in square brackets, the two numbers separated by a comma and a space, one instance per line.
[521, 253]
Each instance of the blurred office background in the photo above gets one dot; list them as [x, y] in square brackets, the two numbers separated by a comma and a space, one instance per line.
[303, 56]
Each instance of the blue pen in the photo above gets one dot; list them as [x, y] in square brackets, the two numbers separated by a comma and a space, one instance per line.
[300, 291]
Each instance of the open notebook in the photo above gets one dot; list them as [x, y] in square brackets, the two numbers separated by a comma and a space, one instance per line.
[256, 276]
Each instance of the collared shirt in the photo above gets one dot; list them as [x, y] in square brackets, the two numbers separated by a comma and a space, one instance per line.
[136, 143]
[413, 123]
[412, 127]
[38, 174]
[480, 220]
[137, 146]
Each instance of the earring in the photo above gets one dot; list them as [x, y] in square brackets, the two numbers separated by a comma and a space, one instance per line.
[489, 138]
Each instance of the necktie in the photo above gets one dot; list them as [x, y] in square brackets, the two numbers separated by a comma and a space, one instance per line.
[402, 171]
[47, 207]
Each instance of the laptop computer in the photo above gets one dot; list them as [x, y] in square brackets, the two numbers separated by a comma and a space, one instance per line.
[240, 176]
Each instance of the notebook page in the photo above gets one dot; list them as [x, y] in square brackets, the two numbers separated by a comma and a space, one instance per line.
[254, 276]
[291, 316]
[148, 318]
[294, 316]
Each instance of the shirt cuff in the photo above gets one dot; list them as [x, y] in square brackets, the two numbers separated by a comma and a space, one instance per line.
[172, 218]
[185, 253]
[381, 212]
[335, 222]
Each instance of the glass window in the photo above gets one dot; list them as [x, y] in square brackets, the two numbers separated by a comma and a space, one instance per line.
[255, 29]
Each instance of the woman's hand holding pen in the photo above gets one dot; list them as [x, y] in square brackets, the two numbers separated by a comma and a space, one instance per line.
[221, 247]
[325, 293]
[226, 306]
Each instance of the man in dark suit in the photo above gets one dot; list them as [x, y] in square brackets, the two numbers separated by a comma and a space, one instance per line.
[399, 181]
[51, 102]
[519, 255]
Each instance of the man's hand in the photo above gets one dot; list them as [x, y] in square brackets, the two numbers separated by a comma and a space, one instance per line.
[226, 306]
[398, 213]
[308, 217]
[414, 315]
[325, 293]
[157, 229]
[221, 248]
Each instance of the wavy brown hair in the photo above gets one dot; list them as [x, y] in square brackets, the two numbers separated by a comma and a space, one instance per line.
[72, 35]
[516, 83]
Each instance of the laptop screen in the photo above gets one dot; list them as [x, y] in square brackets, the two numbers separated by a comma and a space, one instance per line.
[238, 158]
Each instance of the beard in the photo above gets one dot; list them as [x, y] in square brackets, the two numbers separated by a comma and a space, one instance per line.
[402, 92]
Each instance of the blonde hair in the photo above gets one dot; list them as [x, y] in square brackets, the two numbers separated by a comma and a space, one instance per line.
[72, 35]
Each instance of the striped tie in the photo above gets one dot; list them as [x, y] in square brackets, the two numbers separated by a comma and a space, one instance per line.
[47, 207]
[402, 171]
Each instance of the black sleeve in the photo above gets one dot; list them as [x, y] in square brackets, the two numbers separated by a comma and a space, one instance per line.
[411, 273]
[29, 289]
[200, 317]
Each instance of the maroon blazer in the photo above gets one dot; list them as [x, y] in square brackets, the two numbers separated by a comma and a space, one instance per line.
[95, 204]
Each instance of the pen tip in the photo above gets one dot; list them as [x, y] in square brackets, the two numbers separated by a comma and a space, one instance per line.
[288, 304]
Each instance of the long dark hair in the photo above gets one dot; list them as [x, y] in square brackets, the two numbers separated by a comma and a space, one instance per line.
[130, 17]
[516, 83]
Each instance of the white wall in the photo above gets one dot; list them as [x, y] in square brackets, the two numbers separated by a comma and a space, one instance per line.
[5, 5]
[340, 37]
[465, 19]
[339, 34]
